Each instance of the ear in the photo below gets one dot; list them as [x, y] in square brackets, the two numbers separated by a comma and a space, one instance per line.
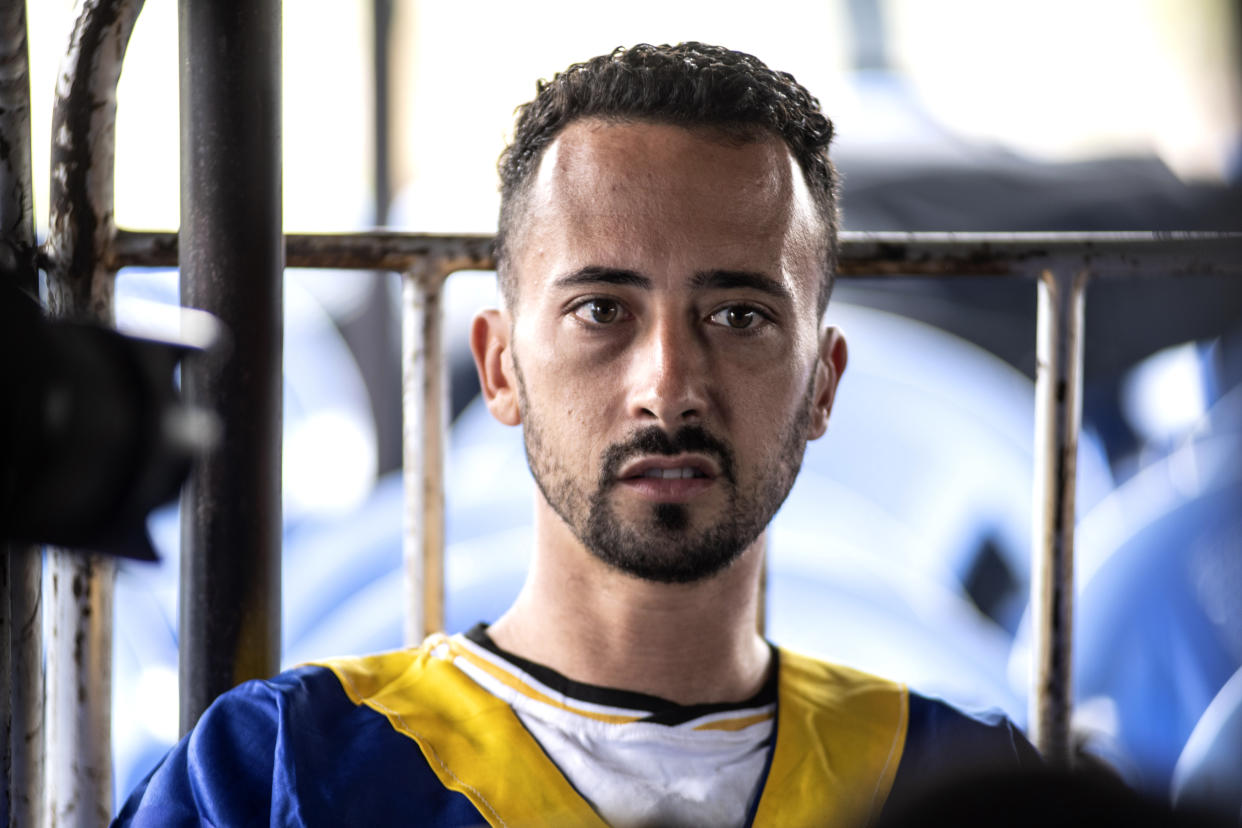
[833, 355]
[489, 342]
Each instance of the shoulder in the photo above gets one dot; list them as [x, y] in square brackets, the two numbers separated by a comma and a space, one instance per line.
[881, 742]
[823, 689]
[851, 716]
[225, 770]
[939, 731]
[839, 737]
[301, 748]
[944, 743]
[934, 734]
[830, 689]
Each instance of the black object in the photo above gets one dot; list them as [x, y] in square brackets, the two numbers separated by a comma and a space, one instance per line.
[93, 434]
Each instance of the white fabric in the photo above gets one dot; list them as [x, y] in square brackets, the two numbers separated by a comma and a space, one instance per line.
[633, 772]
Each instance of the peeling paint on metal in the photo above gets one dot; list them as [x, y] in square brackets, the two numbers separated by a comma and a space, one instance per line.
[863, 255]
[77, 259]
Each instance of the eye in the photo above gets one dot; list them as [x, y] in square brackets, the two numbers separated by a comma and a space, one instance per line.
[739, 317]
[600, 311]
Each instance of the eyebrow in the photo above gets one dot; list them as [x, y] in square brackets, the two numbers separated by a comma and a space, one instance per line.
[596, 275]
[704, 279]
[728, 279]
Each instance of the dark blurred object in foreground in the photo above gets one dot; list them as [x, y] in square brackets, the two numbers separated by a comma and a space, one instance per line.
[93, 434]
[1040, 798]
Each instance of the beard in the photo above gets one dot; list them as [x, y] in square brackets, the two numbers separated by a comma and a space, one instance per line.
[664, 545]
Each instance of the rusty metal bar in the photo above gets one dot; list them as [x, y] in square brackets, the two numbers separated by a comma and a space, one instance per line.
[1107, 255]
[26, 666]
[16, 193]
[78, 765]
[79, 690]
[1058, 417]
[424, 426]
[232, 267]
[377, 250]
[21, 570]
[862, 254]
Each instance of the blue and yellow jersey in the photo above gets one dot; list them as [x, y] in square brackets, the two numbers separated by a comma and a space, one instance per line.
[430, 736]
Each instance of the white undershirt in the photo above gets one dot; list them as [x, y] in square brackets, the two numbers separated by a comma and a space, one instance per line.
[699, 772]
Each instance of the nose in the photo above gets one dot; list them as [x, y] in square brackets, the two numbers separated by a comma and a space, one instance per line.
[669, 376]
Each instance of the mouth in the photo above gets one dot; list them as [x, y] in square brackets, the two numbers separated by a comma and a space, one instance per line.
[675, 479]
[685, 472]
[677, 467]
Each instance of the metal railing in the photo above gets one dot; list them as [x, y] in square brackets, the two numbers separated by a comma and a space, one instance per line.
[85, 250]
[1059, 265]
[21, 566]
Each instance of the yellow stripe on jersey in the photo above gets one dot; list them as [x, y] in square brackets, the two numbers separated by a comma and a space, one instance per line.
[472, 741]
[839, 738]
[735, 724]
[514, 683]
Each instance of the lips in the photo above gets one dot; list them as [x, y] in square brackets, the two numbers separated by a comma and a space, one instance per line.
[656, 467]
[676, 479]
[676, 467]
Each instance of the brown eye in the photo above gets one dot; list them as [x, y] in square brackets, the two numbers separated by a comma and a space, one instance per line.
[739, 317]
[603, 311]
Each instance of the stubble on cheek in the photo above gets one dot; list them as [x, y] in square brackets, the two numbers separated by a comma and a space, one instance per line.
[551, 476]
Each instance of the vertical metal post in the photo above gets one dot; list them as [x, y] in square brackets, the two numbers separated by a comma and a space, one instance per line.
[26, 666]
[21, 570]
[81, 231]
[1058, 415]
[381, 30]
[424, 405]
[16, 196]
[79, 680]
[371, 334]
[6, 691]
[232, 261]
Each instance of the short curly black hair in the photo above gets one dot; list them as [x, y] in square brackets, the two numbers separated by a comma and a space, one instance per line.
[691, 84]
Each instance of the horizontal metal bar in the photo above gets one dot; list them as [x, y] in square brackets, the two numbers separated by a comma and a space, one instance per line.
[1134, 254]
[377, 250]
[862, 254]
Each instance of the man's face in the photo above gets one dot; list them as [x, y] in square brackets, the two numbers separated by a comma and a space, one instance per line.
[665, 356]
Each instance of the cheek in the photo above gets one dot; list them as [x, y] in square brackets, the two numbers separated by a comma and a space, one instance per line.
[763, 403]
[568, 394]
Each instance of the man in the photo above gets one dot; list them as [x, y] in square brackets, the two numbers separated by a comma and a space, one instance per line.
[667, 244]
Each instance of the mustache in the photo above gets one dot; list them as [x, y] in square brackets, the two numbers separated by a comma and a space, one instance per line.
[691, 439]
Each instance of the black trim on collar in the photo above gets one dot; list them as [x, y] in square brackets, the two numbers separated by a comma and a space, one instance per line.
[659, 710]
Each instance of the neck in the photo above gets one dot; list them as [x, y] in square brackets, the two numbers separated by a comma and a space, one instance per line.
[690, 643]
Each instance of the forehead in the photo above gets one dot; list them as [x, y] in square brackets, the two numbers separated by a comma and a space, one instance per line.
[642, 194]
[593, 156]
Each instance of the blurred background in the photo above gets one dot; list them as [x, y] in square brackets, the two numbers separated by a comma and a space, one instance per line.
[904, 548]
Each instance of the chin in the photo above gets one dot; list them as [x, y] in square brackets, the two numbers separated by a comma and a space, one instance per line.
[667, 549]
